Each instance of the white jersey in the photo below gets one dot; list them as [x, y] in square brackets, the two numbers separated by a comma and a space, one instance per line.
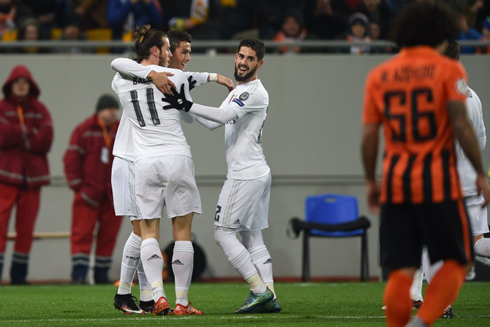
[243, 136]
[123, 143]
[154, 131]
[200, 78]
[467, 173]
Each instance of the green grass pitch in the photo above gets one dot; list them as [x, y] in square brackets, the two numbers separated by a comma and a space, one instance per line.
[304, 304]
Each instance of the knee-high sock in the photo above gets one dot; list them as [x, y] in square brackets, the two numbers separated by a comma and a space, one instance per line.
[442, 291]
[183, 266]
[416, 289]
[129, 263]
[145, 287]
[263, 262]
[397, 299]
[482, 247]
[239, 258]
[151, 257]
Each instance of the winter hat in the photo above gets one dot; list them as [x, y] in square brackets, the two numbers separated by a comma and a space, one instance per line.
[106, 101]
[358, 18]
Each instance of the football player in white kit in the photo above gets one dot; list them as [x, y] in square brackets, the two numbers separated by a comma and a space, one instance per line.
[473, 201]
[163, 176]
[180, 48]
[243, 203]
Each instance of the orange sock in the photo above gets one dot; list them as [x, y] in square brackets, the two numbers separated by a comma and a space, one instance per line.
[397, 299]
[442, 291]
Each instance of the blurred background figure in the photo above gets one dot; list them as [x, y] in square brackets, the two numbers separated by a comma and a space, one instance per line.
[88, 164]
[30, 30]
[467, 33]
[92, 13]
[49, 14]
[357, 32]
[124, 15]
[485, 35]
[323, 20]
[12, 13]
[72, 31]
[26, 135]
[292, 30]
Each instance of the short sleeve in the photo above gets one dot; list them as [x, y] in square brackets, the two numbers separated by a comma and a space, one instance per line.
[455, 84]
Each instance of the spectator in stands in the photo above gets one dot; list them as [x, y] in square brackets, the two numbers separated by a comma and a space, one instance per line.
[26, 135]
[486, 36]
[270, 14]
[357, 32]
[374, 33]
[124, 15]
[30, 30]
[49, 14]
[292, 30]
[467, 33]
[378, 11]
[73, 32]
[88, 163]
[323, 20]
[201, 18]
[93, 13]
[471, 9]
[12, 13]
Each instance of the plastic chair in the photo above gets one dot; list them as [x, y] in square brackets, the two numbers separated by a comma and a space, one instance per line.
[332, 215]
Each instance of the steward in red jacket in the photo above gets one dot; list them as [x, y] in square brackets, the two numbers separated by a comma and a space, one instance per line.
[26, 135]
[88, 164]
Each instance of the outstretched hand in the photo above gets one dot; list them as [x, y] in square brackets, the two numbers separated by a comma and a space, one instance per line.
[177, 100]
[192, 83]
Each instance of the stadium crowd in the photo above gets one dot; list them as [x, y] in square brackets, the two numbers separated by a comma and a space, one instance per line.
[278, 20]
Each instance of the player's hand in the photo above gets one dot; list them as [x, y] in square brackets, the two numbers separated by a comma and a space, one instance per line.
[373, 191]
[192, 83]
[228, 83]
[177, 100]
[161, 81]
[483, 188]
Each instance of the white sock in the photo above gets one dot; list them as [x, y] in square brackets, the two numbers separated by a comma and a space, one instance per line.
[430, 270]
[145, 287]
[482, 247]
[416, 289]
[183, 266]
[262, 261]
[151, 257]
[129, 263]
[239, 258]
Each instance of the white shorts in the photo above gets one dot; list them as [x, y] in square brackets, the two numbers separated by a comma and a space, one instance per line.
[244, 204]
[122, 180]
[166, 181]
[477, 214]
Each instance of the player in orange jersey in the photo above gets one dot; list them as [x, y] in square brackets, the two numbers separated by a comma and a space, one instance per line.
[419, 98]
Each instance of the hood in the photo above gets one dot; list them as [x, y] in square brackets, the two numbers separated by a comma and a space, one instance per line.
[17, 72]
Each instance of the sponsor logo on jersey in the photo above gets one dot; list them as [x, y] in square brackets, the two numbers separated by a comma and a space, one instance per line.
[238, 102]
[268, 261]
[177, 262]
[137, 80]
[231, 122]
[237, 221]
[155, 256]
[468, 94]
[244, 96]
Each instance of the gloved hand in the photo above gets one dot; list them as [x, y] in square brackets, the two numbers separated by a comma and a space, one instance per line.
[192, 83]
[177, 100]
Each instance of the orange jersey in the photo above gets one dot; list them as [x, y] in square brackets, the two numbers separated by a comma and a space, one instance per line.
[408, 95]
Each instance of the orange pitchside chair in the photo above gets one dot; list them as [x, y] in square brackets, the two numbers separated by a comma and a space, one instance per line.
[331, 215]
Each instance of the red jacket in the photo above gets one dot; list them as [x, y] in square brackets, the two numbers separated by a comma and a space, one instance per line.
[24, 147]
[84, 169]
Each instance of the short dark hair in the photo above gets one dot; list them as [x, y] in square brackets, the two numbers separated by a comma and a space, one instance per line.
[175, 37]
[452, 50]
[256, 45]
[146, 38]
[424, 23]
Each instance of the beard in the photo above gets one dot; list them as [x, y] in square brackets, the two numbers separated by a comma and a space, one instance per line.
[243, 78]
